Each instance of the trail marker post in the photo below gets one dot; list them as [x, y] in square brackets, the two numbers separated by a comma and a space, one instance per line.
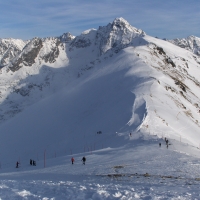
[44, 158]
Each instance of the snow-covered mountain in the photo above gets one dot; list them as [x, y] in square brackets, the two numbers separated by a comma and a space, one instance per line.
[43, 55]
[56, 93]
[191, 43]
[9, 49]
[165, 77]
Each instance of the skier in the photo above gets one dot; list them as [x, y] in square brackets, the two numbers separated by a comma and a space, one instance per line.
[17, 164]
[130, 134]
[34, 163]
[72, 159]
[159, 144]
[31, 161]
[83, 159]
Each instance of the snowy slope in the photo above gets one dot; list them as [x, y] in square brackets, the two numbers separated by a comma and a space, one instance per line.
[57, 93]
[138, 170]
[173, 102]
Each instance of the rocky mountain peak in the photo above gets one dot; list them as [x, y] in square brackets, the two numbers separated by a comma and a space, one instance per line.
[66, 37]
[191, 43]
[117, 35]
[122, 24]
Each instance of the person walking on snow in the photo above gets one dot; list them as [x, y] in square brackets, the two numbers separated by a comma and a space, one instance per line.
[17, 164]
[83, 159]
[72, 159]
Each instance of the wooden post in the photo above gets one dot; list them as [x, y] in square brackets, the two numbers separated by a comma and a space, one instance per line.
[44, 158]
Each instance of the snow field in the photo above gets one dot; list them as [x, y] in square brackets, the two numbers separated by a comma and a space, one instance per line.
[173, 173]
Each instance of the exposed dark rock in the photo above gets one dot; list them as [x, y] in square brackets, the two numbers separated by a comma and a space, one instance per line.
[53, 54]
[80, 42]
[27, 57]
[169, 61]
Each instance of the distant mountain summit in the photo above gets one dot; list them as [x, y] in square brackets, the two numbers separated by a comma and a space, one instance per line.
[115, 36]
[191, 43]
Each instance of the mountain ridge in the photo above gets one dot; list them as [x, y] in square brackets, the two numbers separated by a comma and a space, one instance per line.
[115, 78]
[191, 43]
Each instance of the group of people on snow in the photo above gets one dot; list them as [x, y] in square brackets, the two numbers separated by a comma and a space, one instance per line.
[83, 160]
[32, 162]
[166, 141]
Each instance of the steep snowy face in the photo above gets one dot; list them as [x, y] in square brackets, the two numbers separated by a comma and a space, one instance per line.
[173, 101]
[191, 43]
[9, 49]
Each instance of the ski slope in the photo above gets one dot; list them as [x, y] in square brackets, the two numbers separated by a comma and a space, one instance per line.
[139, 169]
[134, 84]
[106, 99]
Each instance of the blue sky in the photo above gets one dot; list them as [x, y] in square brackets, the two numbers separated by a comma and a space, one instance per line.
[26, 19]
